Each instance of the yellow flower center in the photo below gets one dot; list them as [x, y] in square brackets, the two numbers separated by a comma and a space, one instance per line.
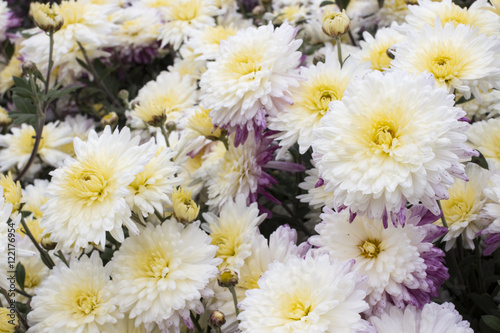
[297, 309]
[320, 92]
[185, 11]
[73, 12]
[456, 15]
[27, 141]
[201, 122]
[384, 136]
[378, 57]
[214, 35]
[89, 183]
[458, 208]
[370, 248]
[156, 266]
[12, 192]
[86, 303]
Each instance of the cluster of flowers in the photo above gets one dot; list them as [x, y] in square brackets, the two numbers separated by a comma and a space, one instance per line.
[147, 215]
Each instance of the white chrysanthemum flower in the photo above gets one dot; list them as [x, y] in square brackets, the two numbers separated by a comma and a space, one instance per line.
[316, 296]
[206, 42]
[487, 107]
[5, 229]
[485, 137]
[80, 298]
[162, 273]
[150, 189]
[87, 195]
[446, 11]
[238, 171]
[322, 84]
[392, 11]
[19, 145]
[392, 258]
[233, 231]
[492, 208]
[167, 97]
[84, 22]
[182, 16]
[293, 11]
[13, 68]
[464, 209]
[137, 29]
[433, 318]
[374, 49]
[316, 195]
[4, 19]
[34, 269]
[459, 57]
[251, 76]
[382, 147]
[34, 197]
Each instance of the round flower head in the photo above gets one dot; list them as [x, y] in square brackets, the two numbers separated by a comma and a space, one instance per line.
[401, 264]
[19, 145]
[492, 209]
[464, 210]
[5, 212]
[34, 198]
[432, 318]
[162, 273]
[233, 231]
[183, 16]
[459, 57]
[323, 83]
[7, 20]
[80, 298]
[446, 11]
[165, 99]
[9, 322]
[394, 137]
[485, 137]
[251, 77]
[375, 49]
[305, 295]
[87, 195]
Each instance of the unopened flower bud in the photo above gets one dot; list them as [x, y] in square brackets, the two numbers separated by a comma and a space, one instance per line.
[46, 243]
[217, 319]
[8, 320]
[171, 126]
[110, 119]
[4, 117]
[318, 58]
[258, 11]
[123, 95]
[335, 24]
[46, 17]
[411, 2]
[29, 67]
[227, 278]
[185, 209]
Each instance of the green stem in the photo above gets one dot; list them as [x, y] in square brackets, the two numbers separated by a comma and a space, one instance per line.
[195, 322]
[47, 260]
[235, 300]
[60, 255]
[51, 63]
[25, 294]
[96, 76]
[443, 218]
[339, 51]
[165, 134]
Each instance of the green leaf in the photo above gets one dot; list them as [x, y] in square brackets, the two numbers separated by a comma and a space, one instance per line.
[326, 3]
[380, 3]
[480, 160]
[25, 111]
[483, 301]
[22, 83]
[492, 322]
[20, 275]
[342, 4]
[55, 94]
[83, 64]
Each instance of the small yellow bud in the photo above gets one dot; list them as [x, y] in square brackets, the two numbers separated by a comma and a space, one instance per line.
[170, 126]
[185, 209]
[12, 191]
[258, 11]
[46, 243]
[335, 24]
[4, 117]
[8, 320]
[110, 119]
[46, 17]
[217, 319]
[227, 278]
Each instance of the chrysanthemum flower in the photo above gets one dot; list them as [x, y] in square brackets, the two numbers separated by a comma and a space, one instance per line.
[322, 84]
[393, 138]
[5, 212]
[433, 318]
[240, 171]
[206, 42]
[87, 195]
[150, 189]
[11, 191]
[487, 107]
[492, 209]
[162, 273]
[458, 56]
[233, 231]
[485, 137]
[84, 21]
[464, 210]
[34, 198]
[316, 296]
[165, 98]
[446, 11]
[7, 20]
[181, 16]
[392, 11]
[251, 77]
[374, 49]
[316, 195]
[402, 265]
[80, 298]
[13, 68]
[19, 145]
